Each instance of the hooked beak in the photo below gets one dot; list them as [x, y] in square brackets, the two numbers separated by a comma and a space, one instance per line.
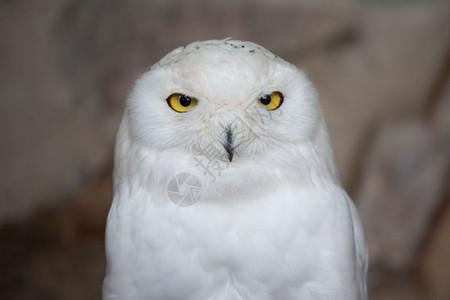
[228, 143]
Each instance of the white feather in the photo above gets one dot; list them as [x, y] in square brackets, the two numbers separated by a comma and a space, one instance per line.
[275, 223]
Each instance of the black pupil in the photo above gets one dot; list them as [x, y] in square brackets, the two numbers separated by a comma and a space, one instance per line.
[185, 101]
[265, 100]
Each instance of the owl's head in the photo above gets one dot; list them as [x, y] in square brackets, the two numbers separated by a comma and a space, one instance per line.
[227, 111]
[234, 96]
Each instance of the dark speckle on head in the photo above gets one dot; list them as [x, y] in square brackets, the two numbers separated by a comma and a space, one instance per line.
[197, 47]
[252, 51]
[243, 46]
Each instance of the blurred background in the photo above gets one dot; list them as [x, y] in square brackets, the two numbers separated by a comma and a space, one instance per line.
[382, 69]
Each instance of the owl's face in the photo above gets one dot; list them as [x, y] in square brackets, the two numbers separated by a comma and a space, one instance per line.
[234, 96]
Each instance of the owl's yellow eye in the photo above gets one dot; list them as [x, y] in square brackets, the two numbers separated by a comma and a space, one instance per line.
[271, 101]
[181, 103]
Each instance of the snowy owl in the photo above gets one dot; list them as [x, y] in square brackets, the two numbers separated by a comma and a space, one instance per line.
[225, 185]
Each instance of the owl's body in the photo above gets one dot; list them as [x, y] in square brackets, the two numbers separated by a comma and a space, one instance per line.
[271, 221]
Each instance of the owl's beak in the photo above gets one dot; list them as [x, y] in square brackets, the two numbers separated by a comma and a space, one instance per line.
[228, 143]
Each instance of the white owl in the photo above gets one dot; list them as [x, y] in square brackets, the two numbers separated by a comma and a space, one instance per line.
[225, 185]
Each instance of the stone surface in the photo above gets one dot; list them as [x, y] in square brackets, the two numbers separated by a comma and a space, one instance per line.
[400, 193]
[404, 202]
[435, 270]
[383, 71]
[58, 253]
[52, 138]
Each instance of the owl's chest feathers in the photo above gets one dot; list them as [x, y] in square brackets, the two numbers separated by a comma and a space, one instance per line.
[250, 241]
